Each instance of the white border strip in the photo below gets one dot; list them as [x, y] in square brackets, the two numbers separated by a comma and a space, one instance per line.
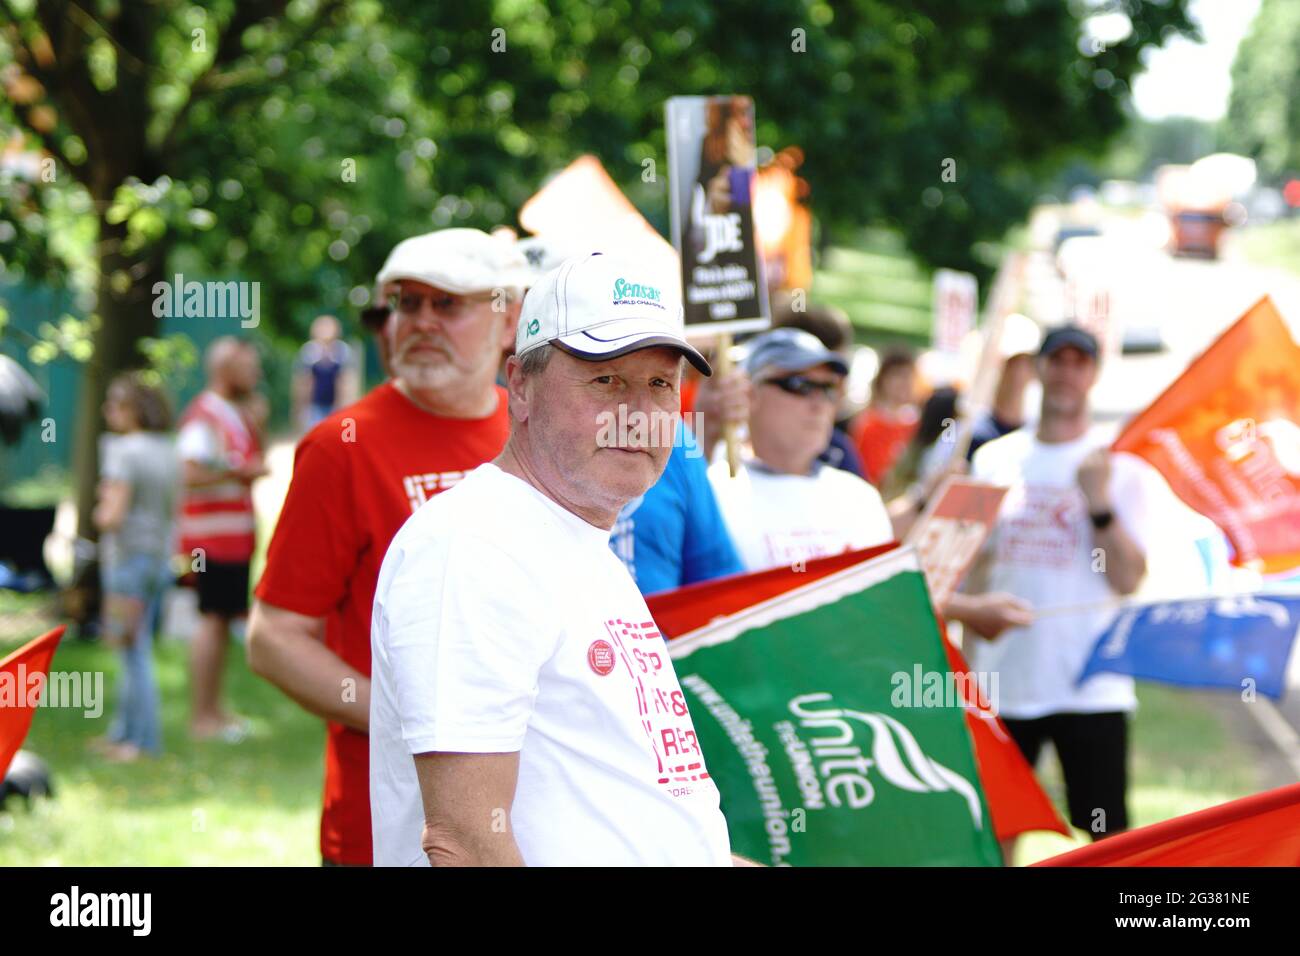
[800, 600]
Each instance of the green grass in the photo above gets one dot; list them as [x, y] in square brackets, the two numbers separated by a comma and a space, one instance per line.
[200, 804]
[885, 293]
[1273, 244]
[44, 490]
[258, 802]
[12, 604]
[1182, 761]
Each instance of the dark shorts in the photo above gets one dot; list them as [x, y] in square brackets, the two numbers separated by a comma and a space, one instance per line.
[1093, 751]
[223, 589]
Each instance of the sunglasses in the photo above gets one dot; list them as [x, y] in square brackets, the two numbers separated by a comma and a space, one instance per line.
[803, 386]
[374, 317]
[450, 306]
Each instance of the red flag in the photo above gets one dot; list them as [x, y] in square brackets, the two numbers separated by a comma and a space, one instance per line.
[20, 693]
[1016, 801]
[1226, 436]
[1262, 830]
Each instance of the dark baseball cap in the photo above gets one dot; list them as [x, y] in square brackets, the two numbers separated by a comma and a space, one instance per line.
[790, 350]
[1069, 336]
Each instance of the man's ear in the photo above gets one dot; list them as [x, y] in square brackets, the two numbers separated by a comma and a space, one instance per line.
[516, 389]
[511, 323]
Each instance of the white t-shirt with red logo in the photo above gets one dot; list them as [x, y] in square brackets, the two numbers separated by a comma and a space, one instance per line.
[777, 519]
[1042, 550]
[503, 623]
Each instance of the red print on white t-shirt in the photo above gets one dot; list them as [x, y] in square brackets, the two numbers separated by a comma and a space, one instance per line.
[1041, 526]
[601, 657]
[791, 546]
[660, 704]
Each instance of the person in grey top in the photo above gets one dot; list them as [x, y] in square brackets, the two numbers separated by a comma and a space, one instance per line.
[134, 514]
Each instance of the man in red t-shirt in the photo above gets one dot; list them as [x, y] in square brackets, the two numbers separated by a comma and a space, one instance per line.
[360, 474]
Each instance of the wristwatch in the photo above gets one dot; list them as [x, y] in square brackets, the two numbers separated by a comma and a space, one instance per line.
[1101, 519]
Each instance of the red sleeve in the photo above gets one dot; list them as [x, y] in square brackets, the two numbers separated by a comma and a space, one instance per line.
[316, 545]
[690, 391]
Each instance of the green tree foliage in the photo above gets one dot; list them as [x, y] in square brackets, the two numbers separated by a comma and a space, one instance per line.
[1263, 118]
[292, 143]
[1146, 145]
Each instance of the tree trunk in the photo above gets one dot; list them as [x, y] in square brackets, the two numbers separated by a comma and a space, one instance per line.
[125, 309]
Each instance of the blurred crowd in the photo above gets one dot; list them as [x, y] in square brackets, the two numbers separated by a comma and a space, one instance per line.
[823, 466]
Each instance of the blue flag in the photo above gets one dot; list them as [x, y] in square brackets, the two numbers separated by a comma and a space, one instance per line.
[1205, 642]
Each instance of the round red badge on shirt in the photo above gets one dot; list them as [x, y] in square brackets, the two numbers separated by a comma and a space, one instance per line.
[601, 657]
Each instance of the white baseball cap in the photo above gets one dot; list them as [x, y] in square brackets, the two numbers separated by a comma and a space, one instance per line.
[461, 261]
[598, 306]
[545, 253]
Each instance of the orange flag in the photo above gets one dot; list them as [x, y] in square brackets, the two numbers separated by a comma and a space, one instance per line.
[1262, 830]
[583, 209]
[1226, 436]
[23, 675]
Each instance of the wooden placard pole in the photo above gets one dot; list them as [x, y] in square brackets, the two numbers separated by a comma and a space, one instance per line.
[721, 368]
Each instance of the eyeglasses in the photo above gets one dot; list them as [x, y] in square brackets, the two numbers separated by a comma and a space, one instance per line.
[803, 386]
[448, 306]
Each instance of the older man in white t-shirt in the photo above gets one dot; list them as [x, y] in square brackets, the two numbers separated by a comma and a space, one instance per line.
[523, 706]
[783, 506]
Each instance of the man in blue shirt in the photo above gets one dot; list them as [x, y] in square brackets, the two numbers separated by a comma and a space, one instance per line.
[674, 535]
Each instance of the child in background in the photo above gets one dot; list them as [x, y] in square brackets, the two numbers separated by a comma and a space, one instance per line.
[137, 496]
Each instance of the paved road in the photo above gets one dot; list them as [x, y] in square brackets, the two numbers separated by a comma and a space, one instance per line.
[1191, 302]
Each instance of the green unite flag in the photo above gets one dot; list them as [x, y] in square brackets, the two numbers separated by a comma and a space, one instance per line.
[827, 718]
